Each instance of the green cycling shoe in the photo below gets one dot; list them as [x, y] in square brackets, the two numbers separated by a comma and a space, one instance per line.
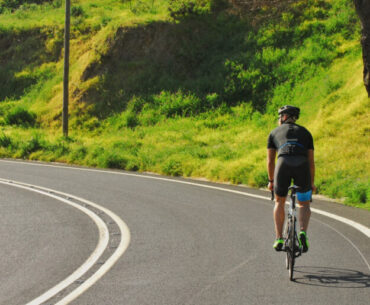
[278, 244]
[303, 241]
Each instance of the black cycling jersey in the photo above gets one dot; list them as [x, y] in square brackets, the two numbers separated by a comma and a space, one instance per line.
[292, 143]
[290, 139]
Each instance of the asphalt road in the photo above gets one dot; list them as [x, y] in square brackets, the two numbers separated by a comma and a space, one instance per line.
[190, 245]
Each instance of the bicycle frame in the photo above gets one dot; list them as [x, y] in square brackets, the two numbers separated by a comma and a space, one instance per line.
[292, 248]
[291, 245]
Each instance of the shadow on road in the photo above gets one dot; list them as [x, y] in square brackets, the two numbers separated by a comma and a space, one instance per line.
[331, 277]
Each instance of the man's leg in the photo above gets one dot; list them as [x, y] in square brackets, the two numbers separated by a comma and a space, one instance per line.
[304, 218]
[304, 214]
[279, 215]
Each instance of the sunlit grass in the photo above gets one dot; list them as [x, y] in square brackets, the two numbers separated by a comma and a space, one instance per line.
[233, 151]
[170, 134]
[95, 14]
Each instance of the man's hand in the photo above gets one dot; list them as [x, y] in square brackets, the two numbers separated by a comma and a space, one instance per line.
[271, 186]
[314, 188]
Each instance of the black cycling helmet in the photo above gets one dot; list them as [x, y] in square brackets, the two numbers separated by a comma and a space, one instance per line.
[290, 110]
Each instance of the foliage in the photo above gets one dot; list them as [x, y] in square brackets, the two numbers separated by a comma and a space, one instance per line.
[217, 54]
[177, 104]
[14, 4]
[77, 11]
[172, 167]
[31, 146]
[194, 94]
[180, 9]
[20, 116]
[5, 141]
[358, 193]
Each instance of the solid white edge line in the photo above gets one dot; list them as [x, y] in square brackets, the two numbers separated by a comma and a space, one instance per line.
[348, 240]
[102, 245]
[363, 229]
[356, 225]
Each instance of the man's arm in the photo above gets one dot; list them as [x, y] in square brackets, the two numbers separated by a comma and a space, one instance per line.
[311, 161]
[271, 155]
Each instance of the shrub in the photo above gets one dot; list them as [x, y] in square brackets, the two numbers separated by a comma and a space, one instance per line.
[54, 45]
[10, 4]
[261, 178]
[57, 3]
[114, 160]
[20, 116]
[247, 81]
[358, 193]
[180, 9]
[140, 6]
[178, 104]
[79, 154]
[105, 20]
[240, 174]
[131, 120]
[77, 11]
[213, 100]
[132, 165]
[5, 141]
[14, 4]
[172, 167]
[149, 117]
[35, 144]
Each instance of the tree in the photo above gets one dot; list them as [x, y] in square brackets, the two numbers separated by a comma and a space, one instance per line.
[363, 10]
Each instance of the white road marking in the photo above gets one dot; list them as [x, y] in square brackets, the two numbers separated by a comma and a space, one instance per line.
[356, 225]
[363, 229]
[100, 248]
[347, 239]
[122, 247]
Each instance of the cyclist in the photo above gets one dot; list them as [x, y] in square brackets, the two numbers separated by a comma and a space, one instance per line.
[293, 145]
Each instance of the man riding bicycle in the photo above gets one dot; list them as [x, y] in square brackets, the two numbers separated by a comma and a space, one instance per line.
[295, 151]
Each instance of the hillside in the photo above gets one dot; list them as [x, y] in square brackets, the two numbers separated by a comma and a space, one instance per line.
[186, 88]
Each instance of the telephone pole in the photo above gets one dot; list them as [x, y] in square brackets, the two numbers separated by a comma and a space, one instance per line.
[363, 10]
[66, 67]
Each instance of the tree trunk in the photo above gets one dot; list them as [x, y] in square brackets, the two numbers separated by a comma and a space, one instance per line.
[363, 10]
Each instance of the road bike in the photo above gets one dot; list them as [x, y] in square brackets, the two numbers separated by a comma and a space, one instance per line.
[291, 244]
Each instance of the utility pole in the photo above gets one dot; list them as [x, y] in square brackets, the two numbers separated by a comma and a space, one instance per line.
[363, 10]
[66, 67]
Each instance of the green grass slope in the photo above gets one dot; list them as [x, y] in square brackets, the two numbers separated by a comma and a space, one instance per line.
[187, 90]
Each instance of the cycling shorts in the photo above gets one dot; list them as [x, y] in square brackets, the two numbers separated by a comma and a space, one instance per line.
[291, 168]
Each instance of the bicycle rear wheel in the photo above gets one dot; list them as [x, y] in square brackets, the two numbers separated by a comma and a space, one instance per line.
[286, 245]
[292, 238]
[287, 260]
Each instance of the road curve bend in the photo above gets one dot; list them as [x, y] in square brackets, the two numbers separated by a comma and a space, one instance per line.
[191, 242]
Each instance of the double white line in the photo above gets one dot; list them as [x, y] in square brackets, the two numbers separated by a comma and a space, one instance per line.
[125, 233]
[99, 250]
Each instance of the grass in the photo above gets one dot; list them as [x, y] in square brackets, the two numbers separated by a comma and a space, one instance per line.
[198, 101]
[88, 15]
[214, 145]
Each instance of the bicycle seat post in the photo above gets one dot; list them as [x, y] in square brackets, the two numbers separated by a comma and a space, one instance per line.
[293, 190]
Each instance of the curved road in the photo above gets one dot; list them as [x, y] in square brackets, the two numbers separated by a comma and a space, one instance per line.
[190, 245]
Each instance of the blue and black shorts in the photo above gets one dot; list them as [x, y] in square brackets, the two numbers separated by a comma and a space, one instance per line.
[293, 168]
